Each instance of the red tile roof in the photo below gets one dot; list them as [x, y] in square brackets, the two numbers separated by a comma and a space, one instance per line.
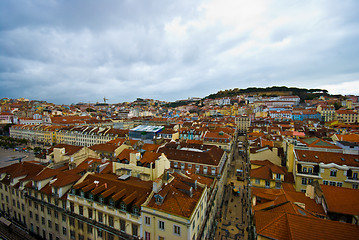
[341, 200]
[327, 157]
[282, 225]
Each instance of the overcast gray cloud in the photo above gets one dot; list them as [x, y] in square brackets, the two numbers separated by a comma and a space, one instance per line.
[72, 51]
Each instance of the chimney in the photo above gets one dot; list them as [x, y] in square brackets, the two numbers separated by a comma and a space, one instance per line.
[157, 184]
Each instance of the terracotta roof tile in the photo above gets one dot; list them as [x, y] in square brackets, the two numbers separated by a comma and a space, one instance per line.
[341, 200]
[327, 157]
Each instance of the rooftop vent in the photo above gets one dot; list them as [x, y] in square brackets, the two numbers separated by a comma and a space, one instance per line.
[316, 156]
[342, 159]
[355, 159]
[304, 155]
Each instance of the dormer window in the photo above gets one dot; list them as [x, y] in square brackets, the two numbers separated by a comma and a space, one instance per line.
[158, 199]
[135, 210]
[82, 194]
[91, 197]
[101, 199]
[112, 203]
[73, 191]
[123, 207]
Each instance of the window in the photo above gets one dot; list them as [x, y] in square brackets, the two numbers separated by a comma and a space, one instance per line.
[355, 186]
[90, 213]
[42, 208]
[189, 166]
[278, 176]
[304, 181]
[267, 184]
[81, 210]
[72, 207]
[339, 184]
[42, 220]
[49, 211]
[110, 221]
[63, 217]
[99, 233]
[100, 217]
[325, 182]
[135, 210]
[123, 225]
[355, 175]
[304, 169]
[72, 221]
[310, 170]
[123, 207]
[89, 229]
[56, 214]
[161, 225]
[56, 227]
[177, 230]
[147, 220]
[310, 180]
[213, 171]
[147, 236]
[72, 234]
[49, 223]
[30, 214]
[333, 173]
[205, 169]
[257, 181]
[37, 217]
[332, 183]
[80, 225]
[134, 230]
[197, 168]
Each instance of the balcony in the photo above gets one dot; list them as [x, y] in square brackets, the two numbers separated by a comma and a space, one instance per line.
[352, 180]
[307, 174]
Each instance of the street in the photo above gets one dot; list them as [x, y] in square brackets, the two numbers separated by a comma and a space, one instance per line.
[233, 223]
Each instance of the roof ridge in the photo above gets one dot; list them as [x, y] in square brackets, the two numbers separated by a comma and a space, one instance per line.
[288, 227]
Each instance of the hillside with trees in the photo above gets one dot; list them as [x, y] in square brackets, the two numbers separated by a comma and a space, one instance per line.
[303, 93]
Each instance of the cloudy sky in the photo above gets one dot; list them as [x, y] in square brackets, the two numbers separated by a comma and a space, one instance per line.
[80, 51]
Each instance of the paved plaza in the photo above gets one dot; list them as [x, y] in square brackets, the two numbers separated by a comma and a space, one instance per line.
[10, 154]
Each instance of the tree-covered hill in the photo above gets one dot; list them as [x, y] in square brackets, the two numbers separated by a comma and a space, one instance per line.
[303, 93]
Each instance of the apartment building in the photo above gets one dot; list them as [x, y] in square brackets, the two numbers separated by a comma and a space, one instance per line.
[73, 135]
[346, 116]
[200, 158]
[326, 167]
[106, 206]
[36, 197]
[177, 208]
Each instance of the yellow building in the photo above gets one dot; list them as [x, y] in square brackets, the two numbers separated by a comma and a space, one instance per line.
[346, 116]
[177, 208]
[327, 112]
[104, 206]
[267, 175]
[327, 167]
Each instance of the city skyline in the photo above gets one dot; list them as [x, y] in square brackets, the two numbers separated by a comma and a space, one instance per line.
[66, 52]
